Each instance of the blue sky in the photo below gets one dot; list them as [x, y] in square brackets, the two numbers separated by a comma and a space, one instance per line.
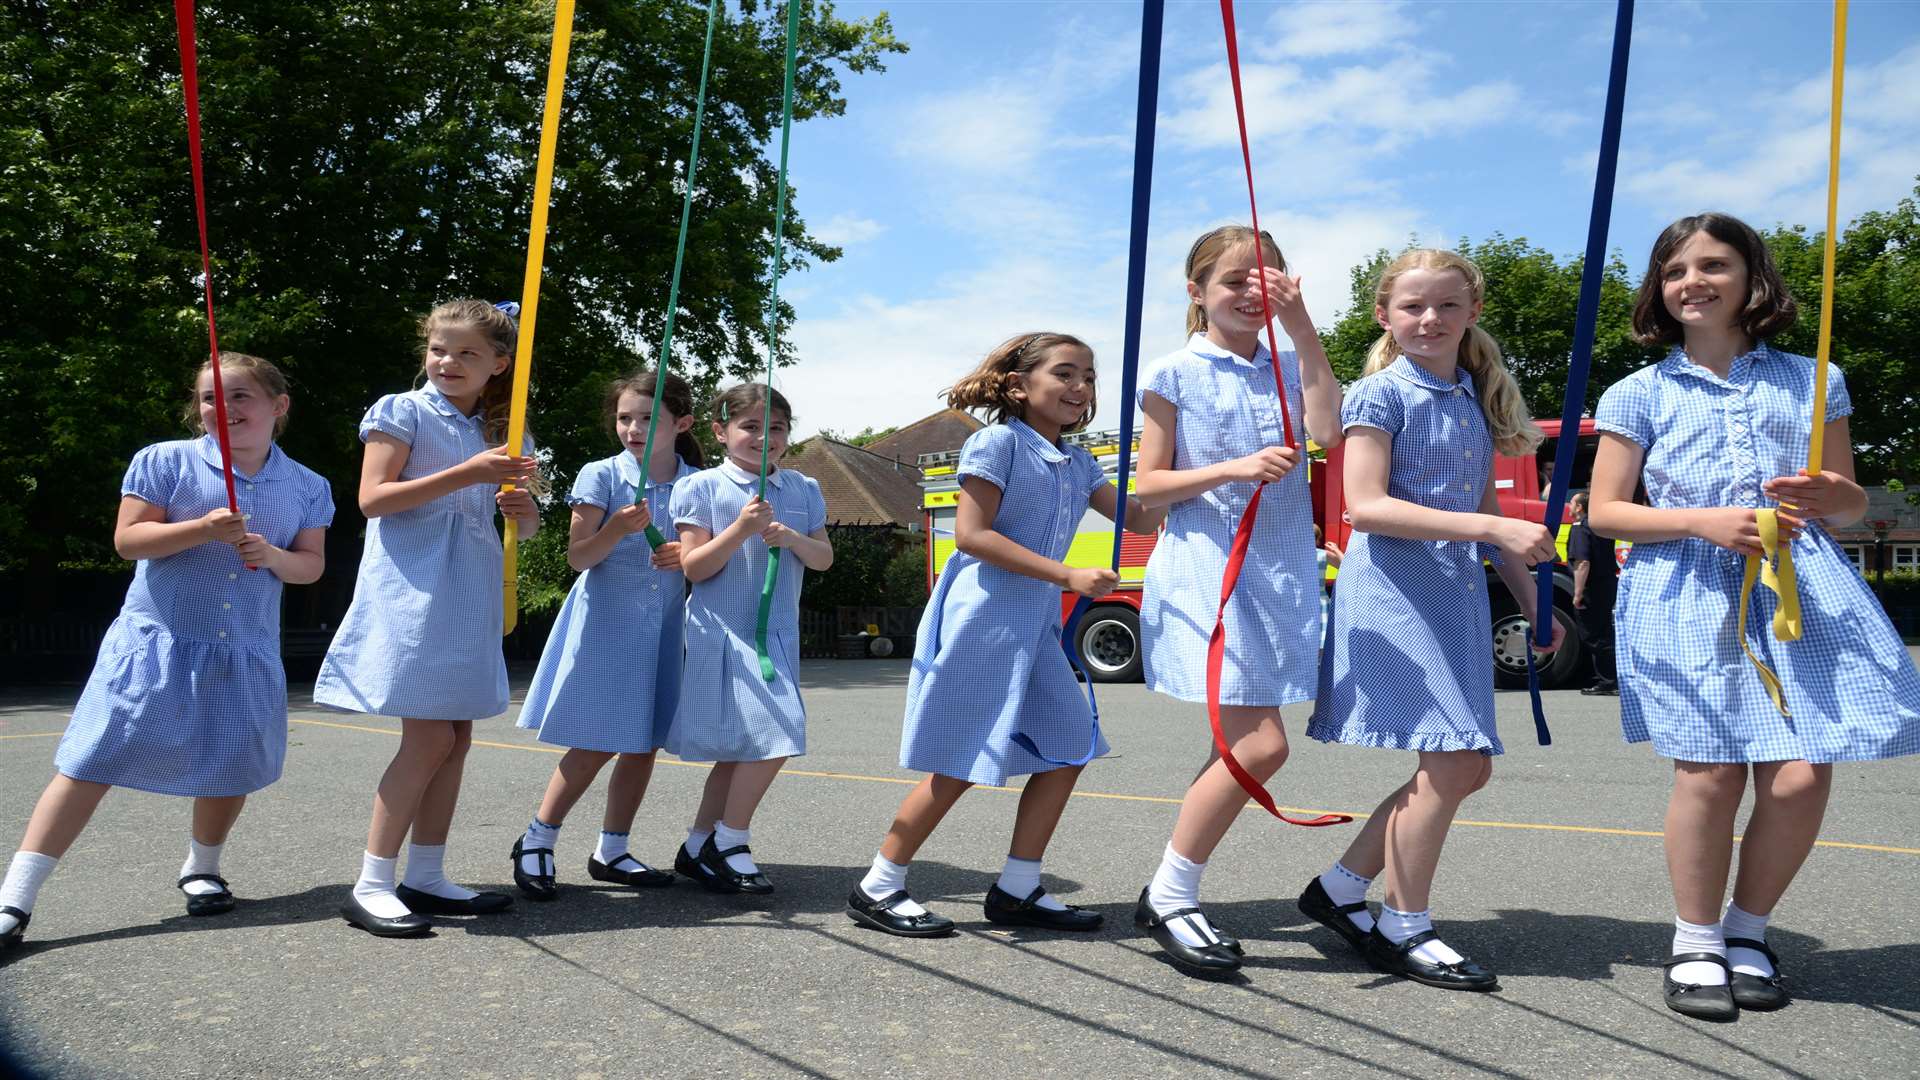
[980, 186]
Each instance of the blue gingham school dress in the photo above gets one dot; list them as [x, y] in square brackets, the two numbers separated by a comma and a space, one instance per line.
[727, 711]
[1685, 684]
[609, 678]
[987, 660]
[422, 637]
[188, 695]
[1406, 663]
[1228, 409]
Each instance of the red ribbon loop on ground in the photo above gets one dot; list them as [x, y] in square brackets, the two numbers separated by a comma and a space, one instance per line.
[1243, 534]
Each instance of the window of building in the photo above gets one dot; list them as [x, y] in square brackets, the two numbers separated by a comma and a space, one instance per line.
[1903, 556]
[1857, 555]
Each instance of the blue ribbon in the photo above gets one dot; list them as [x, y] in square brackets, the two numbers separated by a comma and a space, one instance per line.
[1147, 108]
[1583, 332]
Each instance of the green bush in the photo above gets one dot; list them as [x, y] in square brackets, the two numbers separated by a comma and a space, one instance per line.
[1897, 588]
[860, 556]
[905, 578]
[545, 576]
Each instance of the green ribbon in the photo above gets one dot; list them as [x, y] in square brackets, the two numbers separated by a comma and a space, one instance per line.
[654, 537]
[773, 333]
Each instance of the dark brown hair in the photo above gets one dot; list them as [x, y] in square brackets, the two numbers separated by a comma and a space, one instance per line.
[501, 332]
[745, 398]
[1209, 249]
[990, 385]
[270, 379]
[1769, 310]
[677, 399]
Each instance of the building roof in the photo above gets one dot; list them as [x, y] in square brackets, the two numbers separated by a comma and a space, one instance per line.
[1897, 519]
[944, 430]
[860, 488]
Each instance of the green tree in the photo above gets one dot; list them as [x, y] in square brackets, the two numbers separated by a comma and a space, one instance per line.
[363, 162]
[1532, 299]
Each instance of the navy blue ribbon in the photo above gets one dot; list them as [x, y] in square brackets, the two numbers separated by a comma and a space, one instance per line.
[1147, 108]
[1583, 332]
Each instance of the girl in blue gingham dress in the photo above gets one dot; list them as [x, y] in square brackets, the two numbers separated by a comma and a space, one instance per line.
[609, 679]
[1406, 665]
[988, 664]
[421, 639]
[1717, 430]
[1212, 433]
[730, 712]
[188, 696]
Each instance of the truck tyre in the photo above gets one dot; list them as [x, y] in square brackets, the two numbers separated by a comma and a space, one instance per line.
[1562, 669]
[1108, 642]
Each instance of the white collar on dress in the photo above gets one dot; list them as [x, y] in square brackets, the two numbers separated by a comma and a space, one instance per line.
[776, 478]
[1201, 345]
[1404, 367]
[276, 466]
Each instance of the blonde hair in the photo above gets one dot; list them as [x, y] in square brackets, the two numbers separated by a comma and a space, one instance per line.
[1513, 430]
[497, 325]
[1208, 251]
[989, 386]
[270, 379]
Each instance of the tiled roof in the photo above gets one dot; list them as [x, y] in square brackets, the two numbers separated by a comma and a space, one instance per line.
[944, 430]
[860, 488]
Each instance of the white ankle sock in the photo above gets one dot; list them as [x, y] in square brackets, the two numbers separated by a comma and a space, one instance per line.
[1745, 924]
[201, 859]
[539, 835]
[612, 846]
[1176, 885]
[884, 879]
[25, 875]
[1397, 926]
[696, 839]
[426, 871]
[1699, 937]
[374, 890]
[1344, 887]
[724, 838]
[1020, 877]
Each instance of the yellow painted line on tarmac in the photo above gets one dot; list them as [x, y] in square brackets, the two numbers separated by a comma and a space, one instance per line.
[1533, 826]
[34, 735]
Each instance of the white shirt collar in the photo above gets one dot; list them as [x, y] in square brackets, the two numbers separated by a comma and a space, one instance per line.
[738, 475]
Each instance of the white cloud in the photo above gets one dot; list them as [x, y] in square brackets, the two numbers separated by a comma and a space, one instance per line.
[1331, 28]
[846, 230]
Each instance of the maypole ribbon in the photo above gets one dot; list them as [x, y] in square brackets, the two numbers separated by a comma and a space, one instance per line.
[190, 90]
[1584, 325]
[1243, 535]
[1152, 17]
[1774, 566]
[665, 361]
[772, 580]
[530, 290]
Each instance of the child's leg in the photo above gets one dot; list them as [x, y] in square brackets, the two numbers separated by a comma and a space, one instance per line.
[213, 818]
[625, 789]
[1259, 743]
[1700, 815]
[1042, 802]
[63, 811]
[571, 778]
[1789, 803]
[1346, 882]
[920, 813]
[427, 851]
[1416, 830]
[748, 785]
[424, 746]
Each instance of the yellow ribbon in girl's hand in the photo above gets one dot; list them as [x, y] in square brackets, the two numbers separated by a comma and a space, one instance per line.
[1774, 568]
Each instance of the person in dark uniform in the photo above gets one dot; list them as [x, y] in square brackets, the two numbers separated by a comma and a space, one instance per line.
[1596, 577]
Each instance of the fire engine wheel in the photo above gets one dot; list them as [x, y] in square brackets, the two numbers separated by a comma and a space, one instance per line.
[1109, 643]
[1561, 669]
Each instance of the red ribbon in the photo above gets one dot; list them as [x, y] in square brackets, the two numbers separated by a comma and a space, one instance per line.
[1243, 535]
[190, 86]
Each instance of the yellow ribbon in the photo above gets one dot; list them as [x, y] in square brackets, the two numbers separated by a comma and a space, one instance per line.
[530, 293]
[1774, 569]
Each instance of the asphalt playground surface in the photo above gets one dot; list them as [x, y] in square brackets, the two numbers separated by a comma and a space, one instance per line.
[1555, 878]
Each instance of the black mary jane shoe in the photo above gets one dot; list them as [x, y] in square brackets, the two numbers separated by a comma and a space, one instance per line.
[1315, 904]
[1399, 960]
[534, 886]
[729, 880]
[486, 903]
[1003, 909]
[627, 870]
[11, 938]
[880, 915]
[688, 865]
[411, 924]
[218, 903]
[1757, 993]
[1696, 1000]
[1214, 959]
